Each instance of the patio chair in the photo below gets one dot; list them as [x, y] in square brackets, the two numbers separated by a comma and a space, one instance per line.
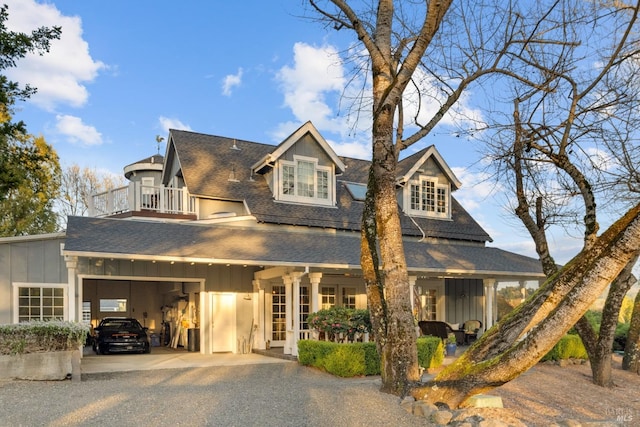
[471, 329]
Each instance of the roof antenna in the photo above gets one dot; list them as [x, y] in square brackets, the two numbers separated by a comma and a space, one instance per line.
[235, 147]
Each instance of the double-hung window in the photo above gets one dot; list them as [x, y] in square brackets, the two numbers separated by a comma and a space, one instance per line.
[304, 181]
[428, 198]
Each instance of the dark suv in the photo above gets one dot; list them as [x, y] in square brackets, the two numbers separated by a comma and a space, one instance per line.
[121, 335]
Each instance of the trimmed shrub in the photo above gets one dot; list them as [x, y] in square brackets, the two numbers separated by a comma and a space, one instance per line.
[312, 353]
[430, 352]
[345, 361]
[37, 337]
[569, 347]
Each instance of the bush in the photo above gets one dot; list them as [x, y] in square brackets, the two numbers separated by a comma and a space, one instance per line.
[345, 360]
[339, 320]
[36, 337]
[430, 352]
[349, 360]
[569, 347]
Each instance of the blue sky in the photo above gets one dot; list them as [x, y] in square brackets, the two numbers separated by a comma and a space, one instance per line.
[125, 72]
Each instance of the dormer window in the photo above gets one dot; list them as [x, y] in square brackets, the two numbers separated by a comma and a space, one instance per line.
[426, 197]
[304, 181]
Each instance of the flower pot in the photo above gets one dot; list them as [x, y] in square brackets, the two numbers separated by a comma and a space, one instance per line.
[451, 349]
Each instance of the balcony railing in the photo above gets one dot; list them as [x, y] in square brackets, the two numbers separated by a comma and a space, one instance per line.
[138, 197]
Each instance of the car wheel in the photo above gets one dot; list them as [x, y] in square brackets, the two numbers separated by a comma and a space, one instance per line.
[147, 349]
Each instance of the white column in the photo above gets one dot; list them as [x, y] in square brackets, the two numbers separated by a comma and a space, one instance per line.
[74, 295]
[296, 312]
[412, 295]
[259, 339]
[489, 295]
[288, 281]
[314, 278]
[523, 290]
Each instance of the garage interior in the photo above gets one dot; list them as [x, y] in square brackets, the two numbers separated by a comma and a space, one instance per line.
[169, 309]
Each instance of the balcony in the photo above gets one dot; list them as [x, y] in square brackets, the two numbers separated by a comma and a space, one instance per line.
[143, 200]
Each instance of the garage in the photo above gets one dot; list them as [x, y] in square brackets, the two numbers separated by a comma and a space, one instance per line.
[169, 309]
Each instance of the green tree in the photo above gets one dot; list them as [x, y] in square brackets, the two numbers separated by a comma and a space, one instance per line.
[29, 169]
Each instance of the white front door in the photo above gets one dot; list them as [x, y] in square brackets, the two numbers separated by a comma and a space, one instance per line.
[223, 322]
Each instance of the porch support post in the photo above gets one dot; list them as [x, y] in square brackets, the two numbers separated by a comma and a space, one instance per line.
[413, 295]
[288, 281]
[296, 312]
[259, 339]
[523, 290]
[314, 278]
[489, 294]
[74, 295]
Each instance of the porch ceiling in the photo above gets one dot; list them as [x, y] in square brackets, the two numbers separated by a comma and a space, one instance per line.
[270, 247]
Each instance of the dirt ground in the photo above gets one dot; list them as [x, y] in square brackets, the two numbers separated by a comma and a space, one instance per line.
[549, 393]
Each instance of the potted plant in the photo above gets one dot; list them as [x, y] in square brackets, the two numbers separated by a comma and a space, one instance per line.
[451, 345]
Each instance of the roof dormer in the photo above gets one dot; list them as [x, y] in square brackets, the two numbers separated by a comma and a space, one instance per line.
[427, 183]
[302, 169]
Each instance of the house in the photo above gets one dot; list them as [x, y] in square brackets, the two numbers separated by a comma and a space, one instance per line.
[231, 243]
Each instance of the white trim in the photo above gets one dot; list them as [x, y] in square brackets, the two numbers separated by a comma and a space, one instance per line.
[296, 198]
[432, 152]
[418, 181]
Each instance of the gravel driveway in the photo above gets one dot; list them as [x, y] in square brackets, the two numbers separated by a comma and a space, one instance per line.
[283, 394]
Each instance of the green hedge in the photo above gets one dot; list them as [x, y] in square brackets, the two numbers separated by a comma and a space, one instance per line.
[569, 347]
[355, 359]
[430, 352]
[36, 337]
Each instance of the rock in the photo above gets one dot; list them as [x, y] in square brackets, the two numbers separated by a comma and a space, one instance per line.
[441, 418]
[424, 409]
[407, 404]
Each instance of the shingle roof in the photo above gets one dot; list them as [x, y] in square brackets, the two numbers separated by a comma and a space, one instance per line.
[265, 245]
[209, 161]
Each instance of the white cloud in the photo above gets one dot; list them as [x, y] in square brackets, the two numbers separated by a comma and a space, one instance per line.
[230, 81]
[76, 131]
[317, 73]
[59, 75]
[167, 123]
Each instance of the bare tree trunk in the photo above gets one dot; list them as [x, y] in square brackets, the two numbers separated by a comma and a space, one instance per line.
[631, 359]
[586, 276]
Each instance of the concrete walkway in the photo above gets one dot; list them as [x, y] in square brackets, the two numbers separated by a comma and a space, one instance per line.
[167, 358]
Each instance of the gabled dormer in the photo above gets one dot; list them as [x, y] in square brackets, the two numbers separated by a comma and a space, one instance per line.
[426, 185]
[302, 169]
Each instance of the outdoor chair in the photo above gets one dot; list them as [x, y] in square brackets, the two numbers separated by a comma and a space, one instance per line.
[471, 329]
[438, 329]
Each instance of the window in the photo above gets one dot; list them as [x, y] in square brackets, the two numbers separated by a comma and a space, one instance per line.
[305, 306]
[40, 302]
[113, 305]
[349, 297]
[428, 301]
[428, 198]
[86, 311]
[327, 297]
[304, 181]
[278, 314]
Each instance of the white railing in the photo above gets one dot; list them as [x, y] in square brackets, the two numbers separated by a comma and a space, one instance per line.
[137, 197]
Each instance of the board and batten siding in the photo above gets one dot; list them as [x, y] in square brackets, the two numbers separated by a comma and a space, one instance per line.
[29, 259]
[464, 300]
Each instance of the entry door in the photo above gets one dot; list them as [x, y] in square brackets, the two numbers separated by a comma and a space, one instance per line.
[223, 322]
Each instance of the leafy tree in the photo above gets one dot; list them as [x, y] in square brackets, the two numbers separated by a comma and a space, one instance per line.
[28, 166]
[76, 187]
[456, 45]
